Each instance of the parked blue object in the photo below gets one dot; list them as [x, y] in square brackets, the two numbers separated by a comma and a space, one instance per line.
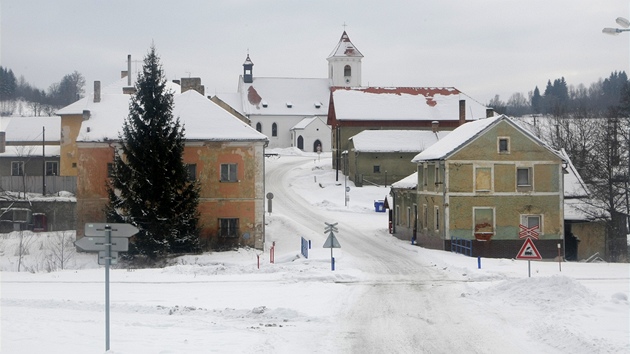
[461, 245]
[379, 206]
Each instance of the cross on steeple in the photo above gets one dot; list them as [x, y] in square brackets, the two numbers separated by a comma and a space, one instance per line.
[344, 26]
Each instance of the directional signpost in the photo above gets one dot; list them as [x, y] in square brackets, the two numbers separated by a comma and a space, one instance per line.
[107, 240]
[331, 241]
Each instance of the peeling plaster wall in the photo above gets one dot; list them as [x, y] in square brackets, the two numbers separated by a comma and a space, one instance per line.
[70, 126]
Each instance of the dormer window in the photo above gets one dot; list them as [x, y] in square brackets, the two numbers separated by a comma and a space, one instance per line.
[318, 105]
[289, 104]
[264, 104]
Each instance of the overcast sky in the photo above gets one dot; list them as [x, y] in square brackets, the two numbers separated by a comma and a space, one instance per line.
[481, 47]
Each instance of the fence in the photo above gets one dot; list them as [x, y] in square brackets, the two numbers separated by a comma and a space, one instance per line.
[34, 184]
[463, 246]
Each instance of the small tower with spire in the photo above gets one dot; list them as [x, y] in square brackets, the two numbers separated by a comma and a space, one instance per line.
[248, 71]
[344, 63]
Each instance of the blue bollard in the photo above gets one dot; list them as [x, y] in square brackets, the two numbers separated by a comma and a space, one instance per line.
[332, 263]
[478, 262]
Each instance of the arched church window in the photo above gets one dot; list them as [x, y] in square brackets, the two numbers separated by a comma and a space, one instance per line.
[347, 71]
[259, 127]
[300, 142]
[274, 129]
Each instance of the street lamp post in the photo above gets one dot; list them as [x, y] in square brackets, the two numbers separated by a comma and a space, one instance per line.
[623, 22]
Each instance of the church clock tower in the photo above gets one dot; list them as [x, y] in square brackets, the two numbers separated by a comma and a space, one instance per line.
[344, 64]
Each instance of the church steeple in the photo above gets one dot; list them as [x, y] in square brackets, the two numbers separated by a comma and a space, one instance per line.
[248, 71]
[344, 63]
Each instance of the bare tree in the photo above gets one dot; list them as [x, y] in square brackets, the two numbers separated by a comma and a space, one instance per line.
[23, 248]
[61, 249]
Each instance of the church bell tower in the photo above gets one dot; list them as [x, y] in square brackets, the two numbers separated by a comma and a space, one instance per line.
[248, 71]
[344, 63]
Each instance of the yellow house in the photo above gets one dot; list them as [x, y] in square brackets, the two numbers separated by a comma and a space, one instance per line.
[493, 183]
[225, 154]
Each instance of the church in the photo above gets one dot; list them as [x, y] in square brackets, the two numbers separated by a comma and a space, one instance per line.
[292, 112]
[322, 114]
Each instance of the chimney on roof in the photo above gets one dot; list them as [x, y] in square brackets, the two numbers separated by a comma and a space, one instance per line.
[86, 114]
[489, 112]
[3, 142]
[462, 112]
[435, 125]
[97, 91]
[129, 69]
[192, 83]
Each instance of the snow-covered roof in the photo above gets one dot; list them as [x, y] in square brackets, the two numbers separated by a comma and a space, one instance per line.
[284, 96]
[345, 48]
[409, 182]
[30, 150]
[403, 103]
[26, 129]
[201, 118]
[574, 186]
[306, 122]
[395, 140]
[465, 133]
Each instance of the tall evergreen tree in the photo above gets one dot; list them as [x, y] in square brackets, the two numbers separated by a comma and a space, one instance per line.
[149, 187]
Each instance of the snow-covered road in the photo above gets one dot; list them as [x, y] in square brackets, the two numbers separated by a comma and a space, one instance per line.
[402, 303]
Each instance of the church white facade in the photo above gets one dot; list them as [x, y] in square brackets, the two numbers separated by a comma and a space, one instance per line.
[284, 109]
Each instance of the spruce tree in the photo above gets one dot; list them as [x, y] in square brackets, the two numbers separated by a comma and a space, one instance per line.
[149, 187]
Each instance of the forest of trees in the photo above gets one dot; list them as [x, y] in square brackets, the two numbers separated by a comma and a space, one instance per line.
[40, 102]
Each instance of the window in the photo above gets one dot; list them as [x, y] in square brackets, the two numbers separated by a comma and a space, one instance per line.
[523, 176]
[425, 178]
[191, 170]
[110, 170]
[437, 218]
[228, 227]
[259, 127]
[17, 168]
[425, 215]
[532, 222]
[397, 215]
[504, 146]
[437, 174]
[377, 169]
[52, 168]
[228, 172]
[484, 223]
[408, 217]
[483, 179]
[347, 70]
[274, 129]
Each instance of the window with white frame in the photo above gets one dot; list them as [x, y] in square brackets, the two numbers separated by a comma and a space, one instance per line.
[532, 222]
[229, 172]
[503, 145]
[483, 219]
[524, 176]
[483, 179]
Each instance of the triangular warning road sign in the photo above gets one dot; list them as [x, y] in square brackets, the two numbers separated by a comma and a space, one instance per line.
[528, 251]
[331, 242]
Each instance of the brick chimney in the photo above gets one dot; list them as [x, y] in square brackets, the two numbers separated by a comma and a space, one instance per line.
[192, 83]
[489, 112]
[462, 112]
[97, 91]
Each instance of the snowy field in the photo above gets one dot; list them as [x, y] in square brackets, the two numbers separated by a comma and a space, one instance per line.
[384, 295]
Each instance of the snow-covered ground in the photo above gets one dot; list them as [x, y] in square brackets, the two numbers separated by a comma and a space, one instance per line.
[384, 295]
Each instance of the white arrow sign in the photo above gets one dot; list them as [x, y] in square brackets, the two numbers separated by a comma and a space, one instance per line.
[118, 230]
[97, 244]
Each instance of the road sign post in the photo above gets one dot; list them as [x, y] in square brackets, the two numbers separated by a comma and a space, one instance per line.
[529, 251]
[107, 240]
[331, 241]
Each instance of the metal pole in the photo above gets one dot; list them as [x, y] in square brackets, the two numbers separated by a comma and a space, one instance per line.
[43, 160]
[108, 257]
[529, 268]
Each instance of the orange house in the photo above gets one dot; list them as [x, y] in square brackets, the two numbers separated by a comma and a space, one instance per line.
[223, 153]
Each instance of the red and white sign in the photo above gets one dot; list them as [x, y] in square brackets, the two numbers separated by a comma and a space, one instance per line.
[529, 251]
[531, 232]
